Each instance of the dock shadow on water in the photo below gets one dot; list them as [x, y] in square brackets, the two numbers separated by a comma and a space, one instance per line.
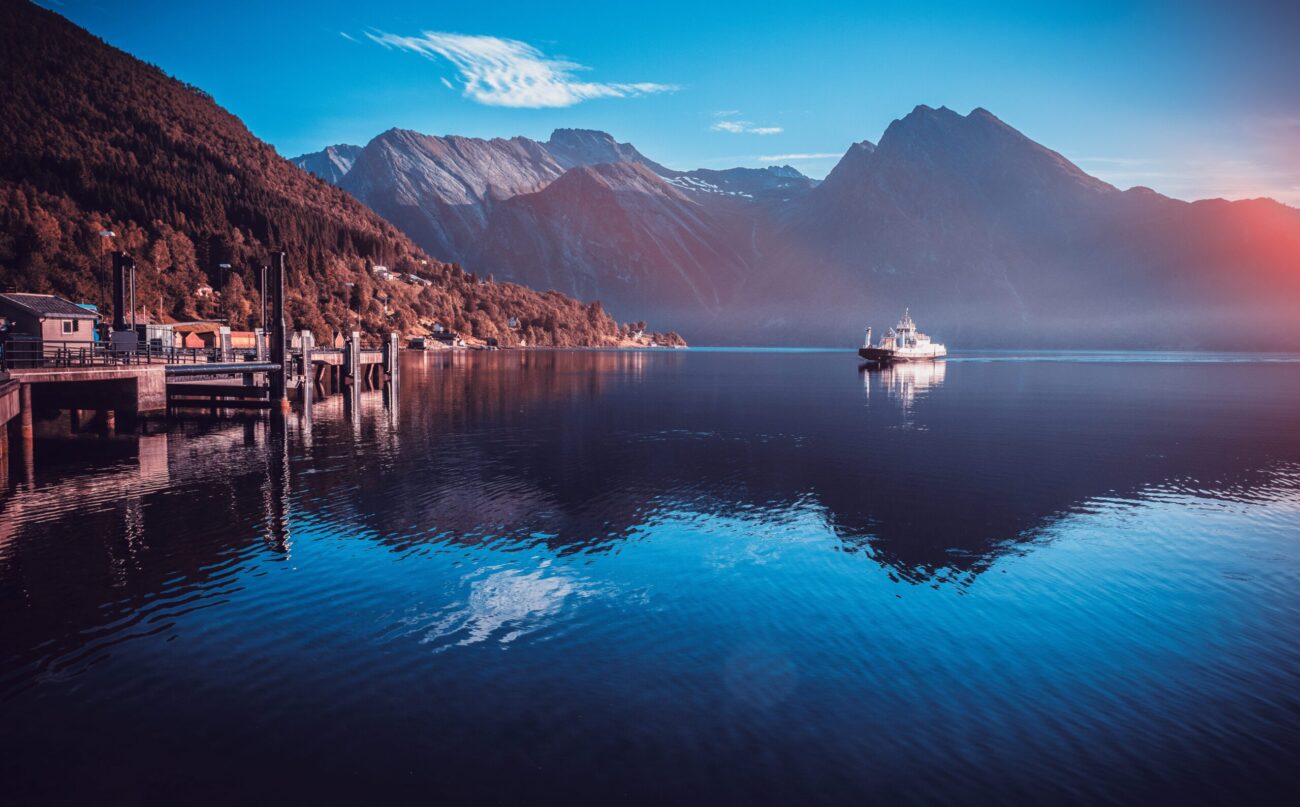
[691, 576]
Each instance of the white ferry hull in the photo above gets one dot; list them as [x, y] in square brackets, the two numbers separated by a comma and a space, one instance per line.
[906, 354]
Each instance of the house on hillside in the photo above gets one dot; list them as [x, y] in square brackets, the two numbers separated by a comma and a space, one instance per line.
[48, 318]
[446, 337]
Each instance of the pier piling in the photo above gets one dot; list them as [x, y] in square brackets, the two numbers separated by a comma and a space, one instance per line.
[352, 359]
[26, 424]
[308, 368]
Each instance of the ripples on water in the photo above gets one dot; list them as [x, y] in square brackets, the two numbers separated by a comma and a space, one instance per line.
[688, 576]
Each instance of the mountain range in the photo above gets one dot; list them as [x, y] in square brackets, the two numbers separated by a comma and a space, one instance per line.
[991, 239]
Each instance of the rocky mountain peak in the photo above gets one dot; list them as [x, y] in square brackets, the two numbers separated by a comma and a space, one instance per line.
[330, 163]
[605, 178]
[977, 149]
[574, 147]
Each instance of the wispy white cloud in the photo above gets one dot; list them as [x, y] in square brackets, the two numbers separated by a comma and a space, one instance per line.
[510, 73]
[726, 113]
[1111, 160]
[743, 126]
[349, 37]
[783, 158]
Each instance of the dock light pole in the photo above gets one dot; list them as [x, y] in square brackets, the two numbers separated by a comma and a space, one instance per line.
[276, 278]
[352, 286]
[225, 281]
[104, 235]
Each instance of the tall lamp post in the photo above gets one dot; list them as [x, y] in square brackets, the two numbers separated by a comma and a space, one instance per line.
[262, 293]
[225, 277]
[104, 235]
[351, 286]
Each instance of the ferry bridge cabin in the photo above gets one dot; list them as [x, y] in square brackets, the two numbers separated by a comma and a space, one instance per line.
[47, 318]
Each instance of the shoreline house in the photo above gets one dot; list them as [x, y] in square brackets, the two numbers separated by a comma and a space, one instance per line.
[446, 336]
[208, 333]
[48, 318]
[198, 335]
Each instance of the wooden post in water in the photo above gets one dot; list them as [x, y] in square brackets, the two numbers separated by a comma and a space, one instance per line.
[393, 364]
[26, 432]
[392, 358]
[280, 356]
[352, 359]
[25, 402]
[308, 376]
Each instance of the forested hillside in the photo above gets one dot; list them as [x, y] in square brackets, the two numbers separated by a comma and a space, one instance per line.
[92, 139]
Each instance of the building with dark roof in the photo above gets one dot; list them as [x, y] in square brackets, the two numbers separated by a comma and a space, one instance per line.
[46, 317]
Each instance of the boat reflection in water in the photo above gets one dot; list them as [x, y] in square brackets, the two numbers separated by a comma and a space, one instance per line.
[905, 382]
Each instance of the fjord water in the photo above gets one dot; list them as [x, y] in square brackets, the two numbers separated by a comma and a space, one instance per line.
[694, 576]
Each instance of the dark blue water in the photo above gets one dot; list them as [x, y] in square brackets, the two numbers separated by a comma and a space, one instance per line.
[682, 577]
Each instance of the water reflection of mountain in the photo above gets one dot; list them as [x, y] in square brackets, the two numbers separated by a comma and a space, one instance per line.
[943, 467]
[937, 471]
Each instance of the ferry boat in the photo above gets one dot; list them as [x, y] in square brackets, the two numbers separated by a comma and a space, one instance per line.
[903, 342]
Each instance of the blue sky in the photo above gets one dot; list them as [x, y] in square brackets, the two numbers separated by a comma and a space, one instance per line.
[1193, 99]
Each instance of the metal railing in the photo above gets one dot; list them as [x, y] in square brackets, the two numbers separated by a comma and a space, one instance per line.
[18, 353]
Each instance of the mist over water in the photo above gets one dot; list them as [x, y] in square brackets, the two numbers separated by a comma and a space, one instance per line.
[759, 576]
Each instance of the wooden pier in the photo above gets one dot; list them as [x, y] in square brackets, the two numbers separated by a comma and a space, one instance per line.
[117, 384]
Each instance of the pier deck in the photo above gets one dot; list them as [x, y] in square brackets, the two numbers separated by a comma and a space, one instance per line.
[125, 385]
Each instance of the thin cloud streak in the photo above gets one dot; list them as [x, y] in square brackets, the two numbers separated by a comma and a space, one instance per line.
[510, 73]
[1191, 179]
[777, 158]
[742, 126]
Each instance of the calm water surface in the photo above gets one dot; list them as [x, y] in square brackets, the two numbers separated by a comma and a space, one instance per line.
[747, 577]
